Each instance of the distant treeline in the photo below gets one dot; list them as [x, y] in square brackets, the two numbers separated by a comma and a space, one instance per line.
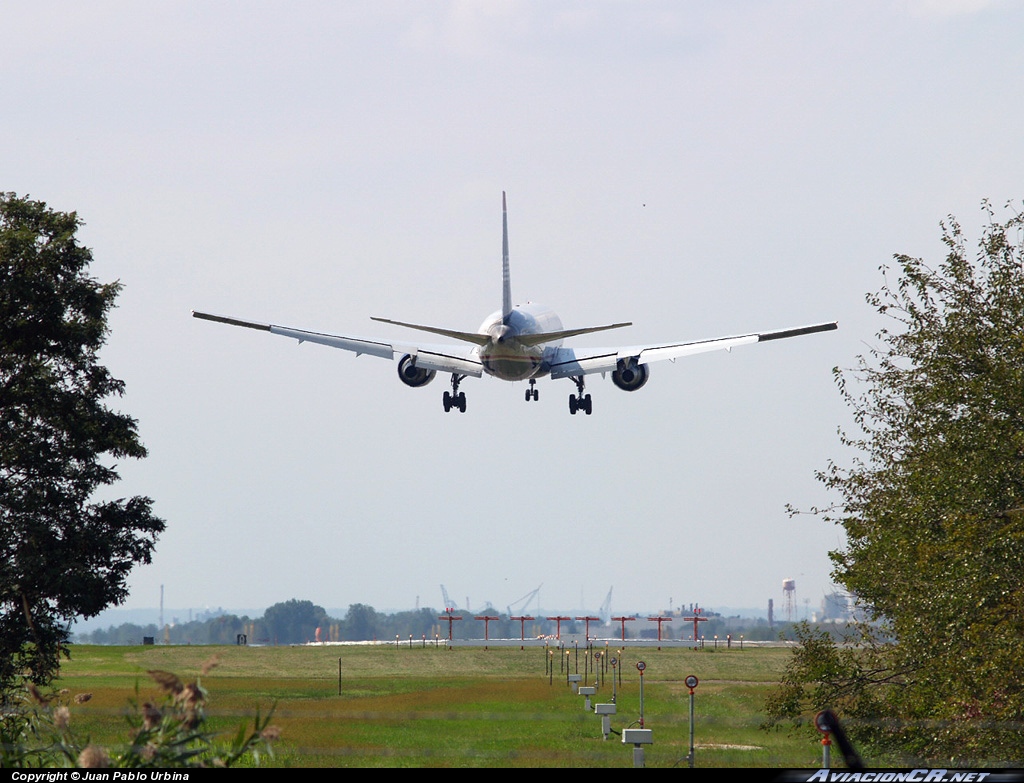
[298, 622]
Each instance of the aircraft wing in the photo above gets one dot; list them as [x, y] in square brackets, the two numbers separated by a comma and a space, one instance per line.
[567, 362]
[443, 358]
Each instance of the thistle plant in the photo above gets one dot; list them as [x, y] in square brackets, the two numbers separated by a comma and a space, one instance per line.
[170, 732]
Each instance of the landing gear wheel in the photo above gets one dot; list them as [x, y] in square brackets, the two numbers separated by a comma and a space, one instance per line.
[532, 393]
[455, 398]
[580, 401]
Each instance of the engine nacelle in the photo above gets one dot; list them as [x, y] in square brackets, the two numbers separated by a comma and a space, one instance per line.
[412, 375]
[630, 376]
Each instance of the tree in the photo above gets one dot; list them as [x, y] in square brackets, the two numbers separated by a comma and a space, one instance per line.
[933, 508]
[65, 552]
[361, 622]
[294, 621]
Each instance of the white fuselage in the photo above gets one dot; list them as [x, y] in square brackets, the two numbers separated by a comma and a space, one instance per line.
[504, 356]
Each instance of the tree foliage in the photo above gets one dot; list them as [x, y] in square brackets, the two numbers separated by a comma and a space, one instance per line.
[64, 551]
[294, 621]
[933, 509]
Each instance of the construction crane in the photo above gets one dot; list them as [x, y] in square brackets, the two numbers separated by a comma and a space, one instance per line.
[605, 612]
[448, 602]
[525, 600]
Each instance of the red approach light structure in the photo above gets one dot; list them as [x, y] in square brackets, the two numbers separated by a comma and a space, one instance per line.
[588, 620]
[623, 621]
[451, 618]
[558, 627]
[522, 626]
[659, 620]
[695, 619]
[487, 622]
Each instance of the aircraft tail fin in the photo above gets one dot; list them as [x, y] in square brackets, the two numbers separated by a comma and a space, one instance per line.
[506, 280]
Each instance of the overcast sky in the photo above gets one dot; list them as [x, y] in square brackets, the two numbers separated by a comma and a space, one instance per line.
[701, 169]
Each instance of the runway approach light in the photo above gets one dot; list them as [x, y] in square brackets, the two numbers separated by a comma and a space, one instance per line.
[637, 738]
[586, 691]
[605, 711]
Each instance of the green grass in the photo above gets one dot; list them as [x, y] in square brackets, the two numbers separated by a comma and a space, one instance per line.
[453, 708]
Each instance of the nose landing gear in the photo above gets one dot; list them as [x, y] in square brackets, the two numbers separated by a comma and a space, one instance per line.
[532, 393]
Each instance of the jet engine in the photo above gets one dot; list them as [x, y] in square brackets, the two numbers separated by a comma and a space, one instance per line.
[412, 375]
[630, 376]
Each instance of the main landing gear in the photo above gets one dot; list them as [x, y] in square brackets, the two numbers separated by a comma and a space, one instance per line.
[579, 401]
[532, 393]
[455, 399]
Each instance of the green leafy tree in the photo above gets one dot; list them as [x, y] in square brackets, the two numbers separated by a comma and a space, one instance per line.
[361, 622]
[933, 509]
[65, 553]
[419, 623]
[294, 621]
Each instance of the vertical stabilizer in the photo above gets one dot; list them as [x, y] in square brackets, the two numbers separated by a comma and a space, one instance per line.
[506, 281]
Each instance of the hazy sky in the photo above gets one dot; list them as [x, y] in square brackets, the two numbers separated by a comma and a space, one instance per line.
[701, 169]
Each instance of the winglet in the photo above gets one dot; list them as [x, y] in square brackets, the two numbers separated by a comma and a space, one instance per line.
[506, 280]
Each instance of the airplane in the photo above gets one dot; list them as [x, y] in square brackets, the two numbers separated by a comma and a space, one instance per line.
[518, 343]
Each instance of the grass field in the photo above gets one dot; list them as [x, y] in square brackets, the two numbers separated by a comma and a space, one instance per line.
[419, 707]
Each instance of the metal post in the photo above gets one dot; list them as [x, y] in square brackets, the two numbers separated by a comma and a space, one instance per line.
[690, 757]
[691, 682]
[640, 668]
[638, 754]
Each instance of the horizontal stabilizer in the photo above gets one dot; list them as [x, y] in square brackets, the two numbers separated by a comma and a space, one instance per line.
[467, 337]
[549, 337]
